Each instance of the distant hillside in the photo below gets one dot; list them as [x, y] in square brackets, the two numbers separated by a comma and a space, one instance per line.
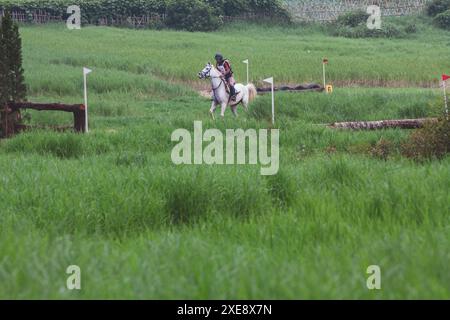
[328, 10]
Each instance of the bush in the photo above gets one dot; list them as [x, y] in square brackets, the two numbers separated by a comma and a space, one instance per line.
[361, 31]
[442, 20]
[191, 15]
[273, 8]
[432, 141]
[354, 25]
[382, 149]
[437, 6]
[353, 19]
[411, 28]
[391, 31]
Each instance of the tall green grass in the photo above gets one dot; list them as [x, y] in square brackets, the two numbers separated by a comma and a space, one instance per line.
[113, 203]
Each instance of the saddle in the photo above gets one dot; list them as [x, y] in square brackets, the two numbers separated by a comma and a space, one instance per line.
[227, 87]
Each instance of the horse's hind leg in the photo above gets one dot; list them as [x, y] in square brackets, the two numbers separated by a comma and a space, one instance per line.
[245, 106]
[245, 103]
[234, 110]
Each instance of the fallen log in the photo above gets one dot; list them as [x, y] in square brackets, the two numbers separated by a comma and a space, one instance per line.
[305, 87]
[383, 124]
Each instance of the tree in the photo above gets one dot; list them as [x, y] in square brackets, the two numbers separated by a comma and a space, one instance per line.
[13, 72]
[12, 81]
[191, 15]
[4, 92]
[3, 72]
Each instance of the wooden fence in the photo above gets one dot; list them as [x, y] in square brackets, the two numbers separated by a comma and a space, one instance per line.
[42, 17]
[38, 17]
[143, 21]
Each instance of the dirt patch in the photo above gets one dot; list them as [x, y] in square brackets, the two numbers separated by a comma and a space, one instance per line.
[205, 93]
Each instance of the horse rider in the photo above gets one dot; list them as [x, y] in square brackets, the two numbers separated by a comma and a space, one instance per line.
[224, 66]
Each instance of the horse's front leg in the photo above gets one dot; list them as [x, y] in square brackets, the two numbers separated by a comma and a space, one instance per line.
[213, 109]
[224, 107]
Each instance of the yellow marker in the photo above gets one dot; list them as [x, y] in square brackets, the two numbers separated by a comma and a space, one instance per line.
[329, 88]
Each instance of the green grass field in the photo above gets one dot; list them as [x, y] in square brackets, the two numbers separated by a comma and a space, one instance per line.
[140, 227]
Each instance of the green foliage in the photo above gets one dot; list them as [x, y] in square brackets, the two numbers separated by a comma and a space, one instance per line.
[191, 15]
[272, 8]
[63, 145]
[113, 203]
[361, 31]
[196, 15]
[430, 142]
[354, 25]
[12, 81]
[436, 7]
[91, 9]
[11, 43]
[353, 19]
[382, 149]
[411, 28]
[12, 46]
[229, 7]
[4, 89]
[442, 20]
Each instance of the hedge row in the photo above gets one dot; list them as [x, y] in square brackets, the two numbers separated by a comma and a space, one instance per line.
[182, 14]
[92, 8]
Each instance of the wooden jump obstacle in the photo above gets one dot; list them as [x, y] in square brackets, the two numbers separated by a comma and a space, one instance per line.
[11, 117]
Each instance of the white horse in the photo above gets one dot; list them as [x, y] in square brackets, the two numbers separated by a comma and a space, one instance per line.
[220, 95]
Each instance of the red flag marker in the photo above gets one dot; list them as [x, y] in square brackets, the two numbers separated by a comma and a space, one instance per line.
[445, 77]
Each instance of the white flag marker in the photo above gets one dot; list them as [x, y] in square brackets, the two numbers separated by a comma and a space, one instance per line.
[270, 80]
[247, 63]
[324, 63]
[86, 71]
[444, 84]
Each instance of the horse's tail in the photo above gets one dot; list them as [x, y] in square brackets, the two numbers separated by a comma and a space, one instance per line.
[252, 92]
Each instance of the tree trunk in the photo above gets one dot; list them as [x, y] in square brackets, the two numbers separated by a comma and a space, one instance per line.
[8, 121]
[383, 124]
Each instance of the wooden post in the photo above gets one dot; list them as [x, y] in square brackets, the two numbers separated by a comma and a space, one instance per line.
[79, 123]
